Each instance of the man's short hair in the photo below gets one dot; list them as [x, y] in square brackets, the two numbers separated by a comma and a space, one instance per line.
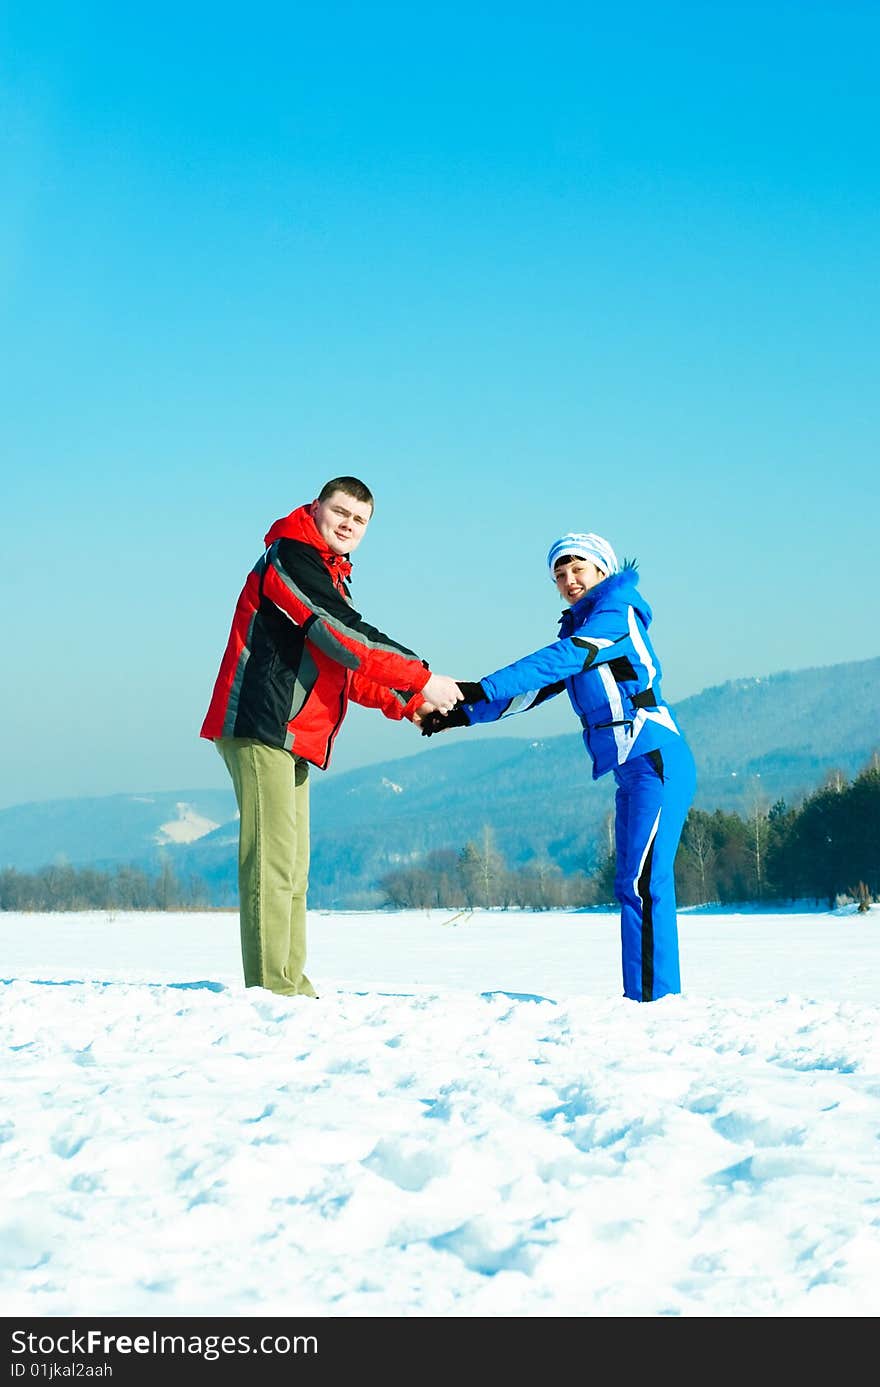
[351, 486]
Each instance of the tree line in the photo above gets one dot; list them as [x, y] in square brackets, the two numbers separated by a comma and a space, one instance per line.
[478, 875]
[827, 849]
[62, 887]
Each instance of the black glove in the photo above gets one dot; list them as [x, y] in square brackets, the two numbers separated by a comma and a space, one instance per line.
[438, 722]
[472, 693]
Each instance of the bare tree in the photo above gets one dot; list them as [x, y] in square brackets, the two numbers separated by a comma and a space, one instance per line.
[758, 808]
[698, 840]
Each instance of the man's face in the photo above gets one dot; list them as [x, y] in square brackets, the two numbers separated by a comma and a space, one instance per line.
[574, 577]
[342, 521]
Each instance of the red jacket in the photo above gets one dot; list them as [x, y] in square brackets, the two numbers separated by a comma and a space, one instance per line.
[298, 651]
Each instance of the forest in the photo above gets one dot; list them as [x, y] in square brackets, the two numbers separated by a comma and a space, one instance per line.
[827, 849]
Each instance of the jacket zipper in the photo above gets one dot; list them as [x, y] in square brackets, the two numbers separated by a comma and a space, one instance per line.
[332, 738]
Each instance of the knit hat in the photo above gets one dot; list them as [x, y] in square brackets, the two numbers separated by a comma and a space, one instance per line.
[592, 547]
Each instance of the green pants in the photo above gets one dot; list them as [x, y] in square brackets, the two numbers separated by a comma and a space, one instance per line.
[272, 790]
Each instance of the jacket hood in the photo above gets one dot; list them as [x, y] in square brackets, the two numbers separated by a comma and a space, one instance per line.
[300, 525]
[622, 587]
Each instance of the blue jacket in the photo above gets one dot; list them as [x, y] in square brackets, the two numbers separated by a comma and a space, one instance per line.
[605, 661]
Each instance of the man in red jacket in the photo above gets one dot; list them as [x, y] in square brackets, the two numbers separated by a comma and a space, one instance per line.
[297, 652]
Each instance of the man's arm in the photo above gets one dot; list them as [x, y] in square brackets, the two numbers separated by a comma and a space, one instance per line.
[394, 703]
[298, 584]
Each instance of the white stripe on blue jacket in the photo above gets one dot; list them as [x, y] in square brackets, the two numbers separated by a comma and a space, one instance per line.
[606, 662]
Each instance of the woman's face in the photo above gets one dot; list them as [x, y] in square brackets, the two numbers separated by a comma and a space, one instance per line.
[574, 577]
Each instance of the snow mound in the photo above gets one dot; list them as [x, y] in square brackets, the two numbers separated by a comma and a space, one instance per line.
[186, 828]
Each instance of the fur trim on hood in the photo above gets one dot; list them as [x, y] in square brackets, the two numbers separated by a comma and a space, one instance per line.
[619, 589]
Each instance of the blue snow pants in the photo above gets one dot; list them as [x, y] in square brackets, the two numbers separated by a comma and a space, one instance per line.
[654, 793]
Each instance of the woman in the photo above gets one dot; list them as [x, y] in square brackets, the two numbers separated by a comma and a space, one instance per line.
[605, 661]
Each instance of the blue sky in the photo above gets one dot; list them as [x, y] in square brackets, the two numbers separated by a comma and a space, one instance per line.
[521, 268]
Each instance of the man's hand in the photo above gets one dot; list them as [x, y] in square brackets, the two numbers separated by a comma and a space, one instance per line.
[441, 693]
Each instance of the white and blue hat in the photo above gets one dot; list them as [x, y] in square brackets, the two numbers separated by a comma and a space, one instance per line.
[592, 547]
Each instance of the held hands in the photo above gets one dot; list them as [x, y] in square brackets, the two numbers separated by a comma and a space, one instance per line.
[437, 721]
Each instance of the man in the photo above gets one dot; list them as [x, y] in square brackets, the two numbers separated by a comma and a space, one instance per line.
[297, 652]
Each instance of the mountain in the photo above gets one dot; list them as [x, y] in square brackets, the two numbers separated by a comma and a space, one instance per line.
[780, 735]
[110, 828]
[755, 740]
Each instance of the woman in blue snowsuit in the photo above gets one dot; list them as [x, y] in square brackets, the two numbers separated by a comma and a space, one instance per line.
[606, 663]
